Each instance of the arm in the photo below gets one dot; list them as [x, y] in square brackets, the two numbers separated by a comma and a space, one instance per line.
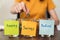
[52, 12]
[54, 16]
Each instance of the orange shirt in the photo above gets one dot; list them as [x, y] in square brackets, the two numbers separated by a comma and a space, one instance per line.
[37, 9]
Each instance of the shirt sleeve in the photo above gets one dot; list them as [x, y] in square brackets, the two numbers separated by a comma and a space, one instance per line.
[16, 1]
[51, 5]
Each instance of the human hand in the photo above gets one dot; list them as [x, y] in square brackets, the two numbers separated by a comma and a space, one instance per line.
[18, 7]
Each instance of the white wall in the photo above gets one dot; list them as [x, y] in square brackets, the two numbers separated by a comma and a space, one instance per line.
[5, 10]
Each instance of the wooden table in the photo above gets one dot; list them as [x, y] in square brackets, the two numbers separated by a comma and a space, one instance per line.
[56, 37]
[38, 37]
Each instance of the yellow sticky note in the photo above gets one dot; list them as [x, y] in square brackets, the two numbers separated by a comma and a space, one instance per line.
[29, 28]
[11, 27]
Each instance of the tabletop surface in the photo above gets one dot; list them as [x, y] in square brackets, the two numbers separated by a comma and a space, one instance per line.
[56, 37]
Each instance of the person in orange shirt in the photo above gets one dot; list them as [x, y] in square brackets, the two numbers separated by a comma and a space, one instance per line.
[35, 8]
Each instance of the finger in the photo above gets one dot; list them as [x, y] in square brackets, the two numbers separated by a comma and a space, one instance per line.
[27, 12]
[24, 9]
[16, 10]
[19, 7]
[23, 6]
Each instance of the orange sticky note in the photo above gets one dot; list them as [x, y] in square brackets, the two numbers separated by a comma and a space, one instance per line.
[29, 28]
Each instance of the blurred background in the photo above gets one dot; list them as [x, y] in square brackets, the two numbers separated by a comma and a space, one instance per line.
[5, 14]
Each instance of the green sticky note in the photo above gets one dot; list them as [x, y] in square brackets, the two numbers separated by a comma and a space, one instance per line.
[11, 27]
